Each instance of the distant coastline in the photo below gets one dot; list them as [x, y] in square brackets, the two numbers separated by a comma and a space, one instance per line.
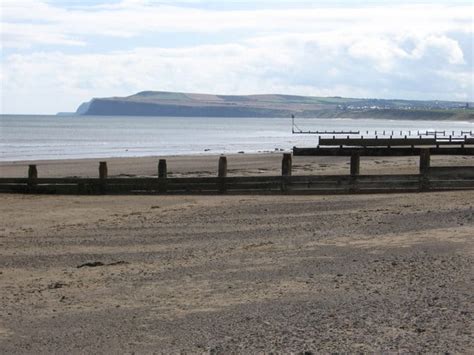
[175, 104]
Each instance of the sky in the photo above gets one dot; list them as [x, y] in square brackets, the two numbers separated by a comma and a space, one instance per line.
[57, 54]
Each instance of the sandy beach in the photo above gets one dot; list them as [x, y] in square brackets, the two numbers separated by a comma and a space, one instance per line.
[238, 165]
[235, 274]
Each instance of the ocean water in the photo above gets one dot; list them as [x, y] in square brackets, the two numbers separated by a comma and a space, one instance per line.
[36, 137]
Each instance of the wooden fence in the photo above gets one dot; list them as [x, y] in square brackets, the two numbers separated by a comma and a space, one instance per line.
[428, 179]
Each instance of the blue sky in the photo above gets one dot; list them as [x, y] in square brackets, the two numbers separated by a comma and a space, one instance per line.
[57, 54]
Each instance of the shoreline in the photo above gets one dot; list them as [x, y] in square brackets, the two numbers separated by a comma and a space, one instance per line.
[468, 119]
[108, 157]
[238, 165]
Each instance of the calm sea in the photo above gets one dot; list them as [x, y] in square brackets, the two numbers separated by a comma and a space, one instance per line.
[34, 137]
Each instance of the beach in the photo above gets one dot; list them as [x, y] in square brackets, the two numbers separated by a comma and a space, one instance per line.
[238, 274]
[238, 165]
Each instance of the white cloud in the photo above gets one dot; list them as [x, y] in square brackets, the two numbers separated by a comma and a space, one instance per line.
[299, 67]
[135, 18]
[406, 51]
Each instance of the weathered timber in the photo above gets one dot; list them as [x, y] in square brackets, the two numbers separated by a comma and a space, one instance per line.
[368, 178]
[429, 179]
[162, 169]
[286, 164]
[253, 186]
[355, 163]
[378, 142]
[229, 179]
[461, 184]
[222, 168]
[380, 152]
[352, 185]
[162, 175]
[222, 173]
[451, 172]
[447, 172]
[286, 167]
[32, 172]
[32, 177]
[103, 172]
[425, 159]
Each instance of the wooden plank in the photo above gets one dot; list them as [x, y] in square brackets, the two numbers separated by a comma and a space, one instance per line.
[451, 184]
[379, 152]
[451, 171]
[13, 180]
[14, 188]
[436, 178]
[195, 180]
[377, 142]
[153, 182]
[253, 186]
[194, 187]
[366, 178]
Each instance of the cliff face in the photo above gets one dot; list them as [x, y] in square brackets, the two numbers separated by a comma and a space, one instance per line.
[83, 108]
[156, 103]
[130, 108]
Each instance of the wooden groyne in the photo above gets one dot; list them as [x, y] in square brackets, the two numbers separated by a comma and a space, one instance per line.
[429, 178]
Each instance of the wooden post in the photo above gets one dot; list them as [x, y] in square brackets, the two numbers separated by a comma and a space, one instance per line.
[424, 160]
[103, 170]
[355, 163]
[32, 176]
[222, 169]
[162, 169]
[286, 164]
[355, 170]
[162, 175]
[103, 176]
[222, 173]
[424, 169]
[32, 172]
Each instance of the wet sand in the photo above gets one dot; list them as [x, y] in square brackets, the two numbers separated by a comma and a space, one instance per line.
[235, 274]
[238, 165]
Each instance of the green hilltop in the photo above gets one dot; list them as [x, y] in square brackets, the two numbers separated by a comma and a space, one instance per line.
[162, 103]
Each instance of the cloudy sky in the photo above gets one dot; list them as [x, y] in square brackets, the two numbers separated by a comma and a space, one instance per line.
[57, 54]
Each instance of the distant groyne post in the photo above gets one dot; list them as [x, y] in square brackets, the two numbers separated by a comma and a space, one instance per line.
[222, 173]
[103, 172]
[162, 175]
[32, 177]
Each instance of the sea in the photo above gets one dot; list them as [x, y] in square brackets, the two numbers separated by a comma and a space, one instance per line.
[41, 137]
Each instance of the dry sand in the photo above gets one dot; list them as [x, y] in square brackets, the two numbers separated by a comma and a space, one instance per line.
[235, 274]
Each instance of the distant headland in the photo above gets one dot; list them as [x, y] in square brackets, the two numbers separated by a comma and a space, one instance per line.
[161, 103]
